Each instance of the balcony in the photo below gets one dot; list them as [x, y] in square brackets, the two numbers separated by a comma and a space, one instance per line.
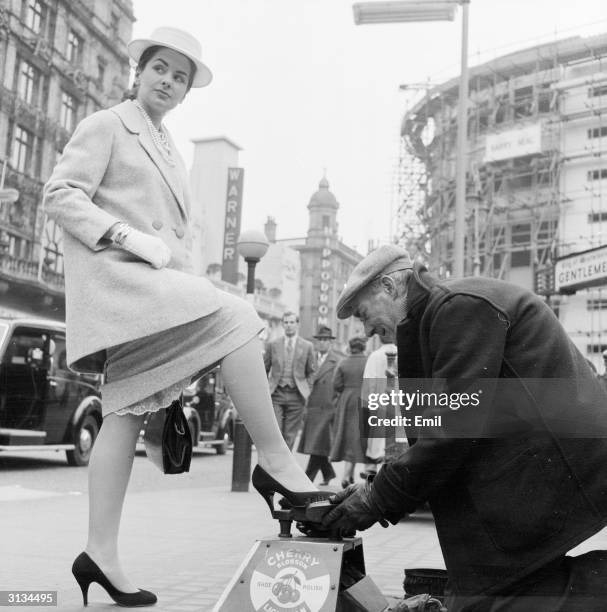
[26, 271]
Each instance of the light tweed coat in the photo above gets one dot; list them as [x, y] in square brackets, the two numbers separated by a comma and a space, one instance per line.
[111, 171]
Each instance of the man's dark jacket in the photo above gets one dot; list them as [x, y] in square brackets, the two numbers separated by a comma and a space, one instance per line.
[522, 478]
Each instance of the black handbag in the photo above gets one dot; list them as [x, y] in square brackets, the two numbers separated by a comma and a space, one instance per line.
[168, 440]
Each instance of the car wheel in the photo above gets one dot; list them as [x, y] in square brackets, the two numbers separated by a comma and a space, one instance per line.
[225, 440]
[84, 438]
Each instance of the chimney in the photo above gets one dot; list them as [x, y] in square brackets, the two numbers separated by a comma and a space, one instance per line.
[270, 229]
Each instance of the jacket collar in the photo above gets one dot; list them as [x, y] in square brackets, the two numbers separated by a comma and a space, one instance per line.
[134, 122]
[418, 291]
[410, 363]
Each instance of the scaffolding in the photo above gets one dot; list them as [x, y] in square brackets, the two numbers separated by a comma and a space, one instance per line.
[516, 202]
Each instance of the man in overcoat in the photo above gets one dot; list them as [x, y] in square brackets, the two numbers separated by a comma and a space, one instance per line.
[514, 480]
[320, 410]
[289, 362]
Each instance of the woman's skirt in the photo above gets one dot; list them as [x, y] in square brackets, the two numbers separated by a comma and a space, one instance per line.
[146, 374]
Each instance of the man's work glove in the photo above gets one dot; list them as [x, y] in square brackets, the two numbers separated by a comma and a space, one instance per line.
[149, 248]
[356, 510]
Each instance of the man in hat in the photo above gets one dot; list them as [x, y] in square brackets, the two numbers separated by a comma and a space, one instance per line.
[316, 436]
[516, 479]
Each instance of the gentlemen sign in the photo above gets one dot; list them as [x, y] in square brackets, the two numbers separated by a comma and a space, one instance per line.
[229, 265]
[581, 270]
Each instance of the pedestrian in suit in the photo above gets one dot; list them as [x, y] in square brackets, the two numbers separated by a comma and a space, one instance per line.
[289, 362]
[320, 410]
[516, 478]
[135, 311]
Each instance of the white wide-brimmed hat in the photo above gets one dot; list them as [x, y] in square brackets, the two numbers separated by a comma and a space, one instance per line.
[178, 40]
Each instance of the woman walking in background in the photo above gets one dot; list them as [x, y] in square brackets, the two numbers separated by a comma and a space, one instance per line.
[134, 310]
[347, 383]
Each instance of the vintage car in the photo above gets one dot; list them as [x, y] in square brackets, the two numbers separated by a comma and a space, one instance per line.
[213, 421]
[43, 404]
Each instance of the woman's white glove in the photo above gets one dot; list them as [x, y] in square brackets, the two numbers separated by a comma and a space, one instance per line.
[146, 247]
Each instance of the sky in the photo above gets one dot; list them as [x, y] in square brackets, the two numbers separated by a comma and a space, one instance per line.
[304, 91]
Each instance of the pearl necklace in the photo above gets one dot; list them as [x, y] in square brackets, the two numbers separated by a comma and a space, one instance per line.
[159, 137]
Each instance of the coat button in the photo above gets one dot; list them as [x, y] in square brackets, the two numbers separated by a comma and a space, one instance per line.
[156, 224]
[179, 232]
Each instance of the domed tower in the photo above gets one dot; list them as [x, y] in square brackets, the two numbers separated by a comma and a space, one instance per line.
[323, 209]
[326, 263]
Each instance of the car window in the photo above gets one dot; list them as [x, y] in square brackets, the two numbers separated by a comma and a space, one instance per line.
[59, 358]
[25, 345]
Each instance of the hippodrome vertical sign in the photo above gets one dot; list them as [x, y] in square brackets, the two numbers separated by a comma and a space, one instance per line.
[325, 283]
[229, 264]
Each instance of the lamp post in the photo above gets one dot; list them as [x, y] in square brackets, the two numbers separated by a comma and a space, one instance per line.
[473, 199]
[435, 10]
[252, 245]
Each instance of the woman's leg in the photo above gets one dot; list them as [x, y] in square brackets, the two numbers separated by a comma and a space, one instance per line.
[109, 473]
[245, 377]
[349, 471]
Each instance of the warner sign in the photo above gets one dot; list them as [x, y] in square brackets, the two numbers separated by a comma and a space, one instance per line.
[581, 270]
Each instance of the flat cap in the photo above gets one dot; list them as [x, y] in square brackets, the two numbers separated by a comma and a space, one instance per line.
[385, 259]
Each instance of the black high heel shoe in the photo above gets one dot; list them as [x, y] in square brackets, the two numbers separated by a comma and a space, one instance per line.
[266, 486]
[85, 571]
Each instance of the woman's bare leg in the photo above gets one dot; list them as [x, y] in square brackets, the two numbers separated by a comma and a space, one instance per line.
[349, 471]
[245, 377]
[109, 473]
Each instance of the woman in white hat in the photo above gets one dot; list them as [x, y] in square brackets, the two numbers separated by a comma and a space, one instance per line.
[134, 312]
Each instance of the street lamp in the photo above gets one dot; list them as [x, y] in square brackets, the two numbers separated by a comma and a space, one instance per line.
[435, 10]
[252, 245]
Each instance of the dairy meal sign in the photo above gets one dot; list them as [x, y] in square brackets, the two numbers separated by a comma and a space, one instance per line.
[581, 270]
[525, 140]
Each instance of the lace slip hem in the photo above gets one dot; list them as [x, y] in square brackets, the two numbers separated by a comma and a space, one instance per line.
[157, 401]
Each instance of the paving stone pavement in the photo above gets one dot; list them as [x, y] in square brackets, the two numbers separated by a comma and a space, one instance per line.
[185, 545]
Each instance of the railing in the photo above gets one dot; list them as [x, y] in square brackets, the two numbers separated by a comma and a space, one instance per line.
[27, 270]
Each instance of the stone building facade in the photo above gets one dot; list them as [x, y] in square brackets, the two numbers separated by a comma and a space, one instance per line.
[60, 61]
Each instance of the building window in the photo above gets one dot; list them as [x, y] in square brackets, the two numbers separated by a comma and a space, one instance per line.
[596, 348]
[68, 111]
[74, 48]
[597, 217]
[27, 83]
[597, 175]
[597, 304]
[521, 240]
[115, 26]
[594, 92]
[52, 242]
[34, 15]
[23, 144]
[100, 73]
[598, 132]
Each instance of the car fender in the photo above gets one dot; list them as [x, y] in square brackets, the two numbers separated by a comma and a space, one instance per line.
[229, 414]
[89, 405]
[191, 414]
